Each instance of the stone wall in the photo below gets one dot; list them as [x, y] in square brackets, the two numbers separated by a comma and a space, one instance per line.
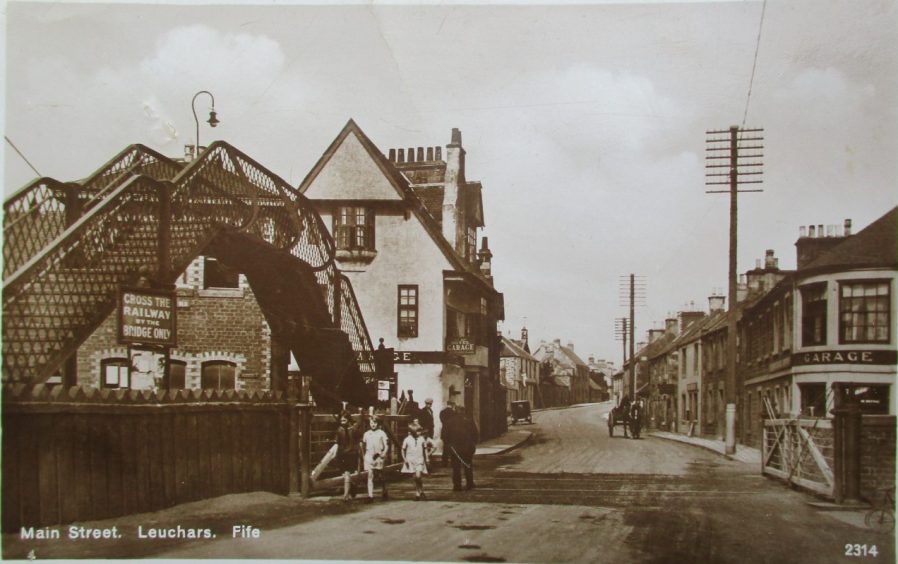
[877, 455]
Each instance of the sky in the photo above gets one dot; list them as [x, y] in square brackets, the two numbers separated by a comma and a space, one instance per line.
[584, 122]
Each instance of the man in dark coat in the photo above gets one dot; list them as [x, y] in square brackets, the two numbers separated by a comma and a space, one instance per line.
[445, 414]
[459, 443]
[425, 417]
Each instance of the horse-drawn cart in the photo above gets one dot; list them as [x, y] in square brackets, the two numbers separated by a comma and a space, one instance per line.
[627, 415]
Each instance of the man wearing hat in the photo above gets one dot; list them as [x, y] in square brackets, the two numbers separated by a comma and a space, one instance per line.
[425, 416]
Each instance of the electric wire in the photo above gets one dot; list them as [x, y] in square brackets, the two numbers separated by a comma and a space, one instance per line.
[754, 64]
[16, 149]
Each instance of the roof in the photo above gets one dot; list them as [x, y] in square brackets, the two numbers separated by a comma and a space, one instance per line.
[511, 347]
[561, 354]
[874, 246]
[432, 198]
[401, 184]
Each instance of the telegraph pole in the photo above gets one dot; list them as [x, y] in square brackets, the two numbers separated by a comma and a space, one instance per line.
[633, 287]
[620, 334]
[728, 149]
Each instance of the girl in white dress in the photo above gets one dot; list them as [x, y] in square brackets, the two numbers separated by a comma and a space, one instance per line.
[375, 445]
[415, 451]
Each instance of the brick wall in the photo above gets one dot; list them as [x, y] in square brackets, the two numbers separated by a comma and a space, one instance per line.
[215, 324]
[877, 455]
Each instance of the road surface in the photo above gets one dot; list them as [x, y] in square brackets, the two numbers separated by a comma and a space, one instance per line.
[571, 494]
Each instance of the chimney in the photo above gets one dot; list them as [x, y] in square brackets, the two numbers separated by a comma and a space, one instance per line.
[392, 156]
[670, 325]
[809, 247]
[524, 336]
[420, 154]
[741, 288]
[557, 342]
[453, 227]
[570, 346]
[430, 153]
[592, 359]
[485, 257]
[716, 303]
[769, 260]
[654, 334]
[400, 156]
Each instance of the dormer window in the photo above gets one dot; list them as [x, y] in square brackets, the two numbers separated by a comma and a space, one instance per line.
[354, 228]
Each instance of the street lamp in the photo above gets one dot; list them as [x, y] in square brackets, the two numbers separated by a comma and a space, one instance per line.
[212, 121]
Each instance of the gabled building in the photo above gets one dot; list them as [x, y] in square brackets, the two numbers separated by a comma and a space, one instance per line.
[406, 230]
[687, 347]
[519, 370]
[565, 377]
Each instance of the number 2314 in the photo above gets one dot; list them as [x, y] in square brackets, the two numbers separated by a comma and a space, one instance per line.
[861, 550]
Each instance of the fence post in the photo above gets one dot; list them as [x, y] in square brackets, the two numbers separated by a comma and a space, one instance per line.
[305, 449]
[848, 452]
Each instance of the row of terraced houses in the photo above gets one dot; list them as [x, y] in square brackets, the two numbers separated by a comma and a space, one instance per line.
[808, 341]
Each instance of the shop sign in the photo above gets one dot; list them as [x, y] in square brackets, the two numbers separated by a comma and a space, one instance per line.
[845, 357]
[460, 345]
[147, 317]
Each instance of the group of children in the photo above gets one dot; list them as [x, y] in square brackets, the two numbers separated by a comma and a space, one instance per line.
[416, 450]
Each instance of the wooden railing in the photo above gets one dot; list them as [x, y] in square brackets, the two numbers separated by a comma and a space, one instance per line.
[800, 451]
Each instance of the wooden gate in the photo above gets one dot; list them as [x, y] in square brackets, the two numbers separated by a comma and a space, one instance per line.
[800, 451]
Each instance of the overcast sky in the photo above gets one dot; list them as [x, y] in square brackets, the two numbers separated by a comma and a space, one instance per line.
[586, 123]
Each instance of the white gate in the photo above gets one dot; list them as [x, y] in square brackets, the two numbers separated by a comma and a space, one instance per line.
[800, 451]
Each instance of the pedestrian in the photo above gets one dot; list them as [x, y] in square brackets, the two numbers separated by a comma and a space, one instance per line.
[347, 453]
[415, 451]
[460, 442]
[425, 416]
[445, 414]
[374, 446]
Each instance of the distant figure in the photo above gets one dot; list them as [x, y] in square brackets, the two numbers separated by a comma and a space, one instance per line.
[459, 443]
[412, 408]
[375, 444]
[445, 414]
[636, 418]
[347, 453]
[425, 416]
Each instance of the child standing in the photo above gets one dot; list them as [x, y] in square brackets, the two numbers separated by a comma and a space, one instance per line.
[347, 453]
[375, 445]
[415, 450]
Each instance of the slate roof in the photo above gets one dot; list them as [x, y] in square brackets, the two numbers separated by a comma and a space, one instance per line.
[432, 198]
[510, 347]
[874, 246]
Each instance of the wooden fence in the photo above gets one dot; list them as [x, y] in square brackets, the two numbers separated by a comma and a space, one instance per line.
[78, 454]
[324, 430]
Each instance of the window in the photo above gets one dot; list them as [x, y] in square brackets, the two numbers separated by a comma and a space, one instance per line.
[872, 398]
[219, 375]
[176, 374]
[813, 399]
[354, 228]
[408, 311]
[864, 312]
[114, 373]
[471, 244]
[813, 315]
[218, 275]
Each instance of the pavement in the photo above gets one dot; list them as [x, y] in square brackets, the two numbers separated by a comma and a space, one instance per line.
[746, 454]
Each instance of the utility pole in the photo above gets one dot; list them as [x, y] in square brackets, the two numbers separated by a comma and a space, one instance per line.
[632, 289]
[727, 148]
[620, 334]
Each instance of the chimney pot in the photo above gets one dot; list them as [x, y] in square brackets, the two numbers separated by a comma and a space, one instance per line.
[401, 156]
[456, 137]
[820, 230]
[430, 153]
[812, 231]
[392, 156]
[802, 231]
[420, 154]
[847, 227]
[411, 154]
[439, 153]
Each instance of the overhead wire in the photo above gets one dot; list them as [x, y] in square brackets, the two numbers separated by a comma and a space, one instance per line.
[754, 64]
[16, 149]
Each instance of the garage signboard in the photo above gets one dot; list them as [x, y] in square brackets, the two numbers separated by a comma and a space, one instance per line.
[147, 317]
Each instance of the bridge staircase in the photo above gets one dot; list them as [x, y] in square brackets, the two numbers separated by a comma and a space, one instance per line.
[141, 219]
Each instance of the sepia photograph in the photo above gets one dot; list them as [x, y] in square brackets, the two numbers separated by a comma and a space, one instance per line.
[449, 281]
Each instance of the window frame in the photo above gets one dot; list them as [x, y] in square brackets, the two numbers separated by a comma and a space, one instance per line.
[820, 306]
[217, 363]
[406, 329]
[843, 284]
[354, 228]
[121, 363]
